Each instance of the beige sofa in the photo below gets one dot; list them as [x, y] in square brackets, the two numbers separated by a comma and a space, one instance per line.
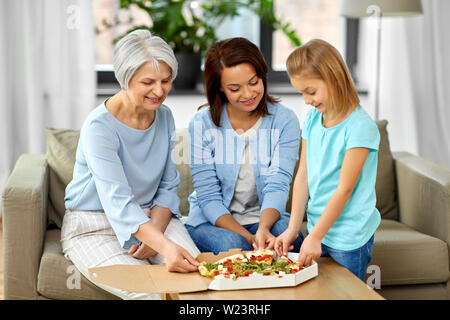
[411, 245]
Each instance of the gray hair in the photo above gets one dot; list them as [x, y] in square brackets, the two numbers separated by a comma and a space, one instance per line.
[137, 48]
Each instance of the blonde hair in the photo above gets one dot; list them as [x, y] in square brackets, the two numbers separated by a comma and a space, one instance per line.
[319, 59]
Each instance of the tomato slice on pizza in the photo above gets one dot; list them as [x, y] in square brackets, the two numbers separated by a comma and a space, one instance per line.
[231, 259]
[262, 255]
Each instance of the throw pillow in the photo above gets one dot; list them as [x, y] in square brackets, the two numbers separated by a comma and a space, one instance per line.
[386, 185]
[181, 157]
[61, 150]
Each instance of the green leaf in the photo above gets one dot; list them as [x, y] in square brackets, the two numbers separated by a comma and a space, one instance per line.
[169, 22]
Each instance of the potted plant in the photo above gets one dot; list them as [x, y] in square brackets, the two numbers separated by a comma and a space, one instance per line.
[189, 27]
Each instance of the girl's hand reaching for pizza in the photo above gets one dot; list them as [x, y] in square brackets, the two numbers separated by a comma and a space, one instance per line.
[310, 250]
[284, 240]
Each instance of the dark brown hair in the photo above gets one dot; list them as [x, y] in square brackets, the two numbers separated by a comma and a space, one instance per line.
[229, 53]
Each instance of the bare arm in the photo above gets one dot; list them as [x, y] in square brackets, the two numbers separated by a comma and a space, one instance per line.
[268, 218]
[160, 217]
[300, 195]
[227, 221]
[177, 258]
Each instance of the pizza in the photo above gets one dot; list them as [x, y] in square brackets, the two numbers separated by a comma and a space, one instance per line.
[254, 262]
[228, 260]
[262, 255]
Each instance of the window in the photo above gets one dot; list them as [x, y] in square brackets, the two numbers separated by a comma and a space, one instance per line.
[106, 10]
[311, 19]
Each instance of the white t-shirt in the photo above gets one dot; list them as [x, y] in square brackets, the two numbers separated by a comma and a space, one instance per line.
[244, 205]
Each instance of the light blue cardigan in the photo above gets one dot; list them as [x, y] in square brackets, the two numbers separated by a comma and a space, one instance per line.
[215, 158]
[120, 169]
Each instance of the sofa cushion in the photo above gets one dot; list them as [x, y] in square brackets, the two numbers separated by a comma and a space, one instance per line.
[181, 155]
[61, 150]
[385, 187]
[55, 272]
[406, 256]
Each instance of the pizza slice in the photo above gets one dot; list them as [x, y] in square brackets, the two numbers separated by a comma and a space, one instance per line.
[222, 268]
[205, 271]
[294, 266]
[261, 255]
[231, 259]
[284, 259]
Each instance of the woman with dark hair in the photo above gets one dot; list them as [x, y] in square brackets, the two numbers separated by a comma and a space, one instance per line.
[244, 147]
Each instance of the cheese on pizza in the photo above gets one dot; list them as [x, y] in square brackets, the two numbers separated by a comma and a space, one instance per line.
[237, 257]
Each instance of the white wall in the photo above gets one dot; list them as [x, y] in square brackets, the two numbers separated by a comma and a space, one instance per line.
[396, 92]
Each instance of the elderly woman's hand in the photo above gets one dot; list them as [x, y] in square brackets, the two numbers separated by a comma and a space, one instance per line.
[178, 259]
[142, 251]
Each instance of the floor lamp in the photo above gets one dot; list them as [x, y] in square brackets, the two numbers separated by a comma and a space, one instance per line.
[379, 9]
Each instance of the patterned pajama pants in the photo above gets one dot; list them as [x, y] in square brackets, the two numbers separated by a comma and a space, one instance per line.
[88, 240]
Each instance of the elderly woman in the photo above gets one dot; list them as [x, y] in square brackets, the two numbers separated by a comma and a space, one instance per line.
[122, 203]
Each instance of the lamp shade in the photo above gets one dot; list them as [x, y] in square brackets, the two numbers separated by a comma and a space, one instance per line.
[358, 8]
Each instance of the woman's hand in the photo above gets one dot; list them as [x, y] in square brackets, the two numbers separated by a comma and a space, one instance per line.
[310, 250]
[284, 240]
[264, 239]
[178, 259]
[141, 252]
[251, 239]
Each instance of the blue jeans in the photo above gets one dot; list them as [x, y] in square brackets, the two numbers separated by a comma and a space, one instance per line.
[354, 260]
[209, 238]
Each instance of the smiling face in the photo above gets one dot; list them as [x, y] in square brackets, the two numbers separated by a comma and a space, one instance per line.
[242, 87]
[148, 88]
[314, 91]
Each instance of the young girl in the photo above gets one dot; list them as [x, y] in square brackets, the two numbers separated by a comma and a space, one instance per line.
[244, 147]
[335, 183]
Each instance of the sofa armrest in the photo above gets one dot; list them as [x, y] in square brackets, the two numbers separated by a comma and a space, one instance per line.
[24, 202]
[423, 195]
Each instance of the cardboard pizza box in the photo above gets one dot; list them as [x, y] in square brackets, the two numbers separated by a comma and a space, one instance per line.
[156, 278]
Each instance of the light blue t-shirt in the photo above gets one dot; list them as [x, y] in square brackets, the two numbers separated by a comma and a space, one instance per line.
[325, 153]
[120, 170]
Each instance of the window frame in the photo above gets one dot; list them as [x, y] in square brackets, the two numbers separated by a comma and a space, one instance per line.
[106, 78]
[351, 30]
